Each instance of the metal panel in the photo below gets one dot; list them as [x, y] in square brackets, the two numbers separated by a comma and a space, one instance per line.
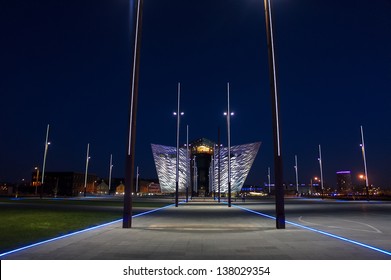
[165, 162]
[242, 158]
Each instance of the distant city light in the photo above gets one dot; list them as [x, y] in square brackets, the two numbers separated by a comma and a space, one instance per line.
[343, 172]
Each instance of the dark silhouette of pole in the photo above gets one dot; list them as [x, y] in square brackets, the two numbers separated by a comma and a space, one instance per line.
[86, 173]
[187, 163]
[278, 172]
[178, 114]
[321, 171]
[365, 162]
[47, 143]
[136, 9]
[219, 166]
[110, 170]
[229, 147]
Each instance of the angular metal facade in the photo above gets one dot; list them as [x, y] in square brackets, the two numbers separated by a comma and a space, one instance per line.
[165, 162]
[242, 158]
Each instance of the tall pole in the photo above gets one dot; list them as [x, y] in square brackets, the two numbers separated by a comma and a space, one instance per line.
[187, 163]
[195, 170]
[219, 165]
[44, 159]
[278, 172]
[36, 180]
[110, 171]
[310, 187]
[86, 173]
[194, 174]
[178, 114]
[297, 175]
[136, 9]
[137, 176]
[321, 170]
[365, 162]
[213, 177]
[229, 148]
[268, 178]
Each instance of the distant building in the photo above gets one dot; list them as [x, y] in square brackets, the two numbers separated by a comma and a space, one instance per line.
[149, 186]
[154, 188]
[102, 188]
[114, 183]
[120, 189]
[7, 188]
[344, 182]
[66, 183]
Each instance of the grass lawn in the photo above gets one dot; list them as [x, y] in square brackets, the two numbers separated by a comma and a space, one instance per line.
[26, 221]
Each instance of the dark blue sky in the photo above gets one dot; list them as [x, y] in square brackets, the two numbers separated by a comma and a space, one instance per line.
[67, 63]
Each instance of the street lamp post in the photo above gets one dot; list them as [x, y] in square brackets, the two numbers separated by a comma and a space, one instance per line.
[362, 178]
[278, 171]
[86, 173]
[268, 178]
[187, 163]
[297, 175]
[137, 176]
[178, 114]
[219, 165]
[137, 7]
[229, 114]
[321, 170]
[44, 159]
[194, 174]
[110, 171]
[310, 192]
[365, 163]
[36, 179]
[213, 177]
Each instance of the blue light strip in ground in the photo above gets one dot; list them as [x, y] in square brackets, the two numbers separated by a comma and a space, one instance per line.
[319, 231]
[154, 210]
[81, 231]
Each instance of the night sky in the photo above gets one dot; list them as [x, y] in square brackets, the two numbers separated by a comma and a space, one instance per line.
[67, 64]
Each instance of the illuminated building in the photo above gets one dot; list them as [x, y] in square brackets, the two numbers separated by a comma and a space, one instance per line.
[200, 173]
[344, 182]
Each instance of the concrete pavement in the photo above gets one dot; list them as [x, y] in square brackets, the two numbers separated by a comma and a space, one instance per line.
[201, 229]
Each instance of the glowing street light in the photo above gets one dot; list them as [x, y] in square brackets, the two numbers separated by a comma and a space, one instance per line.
[311, 184]
[363, 179]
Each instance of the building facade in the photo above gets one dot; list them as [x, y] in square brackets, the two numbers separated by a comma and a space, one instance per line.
[201, 165]
[344, 182]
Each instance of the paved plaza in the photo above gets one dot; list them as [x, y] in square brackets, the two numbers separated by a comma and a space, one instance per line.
[206, 229]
